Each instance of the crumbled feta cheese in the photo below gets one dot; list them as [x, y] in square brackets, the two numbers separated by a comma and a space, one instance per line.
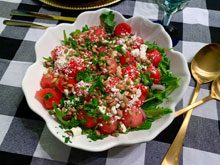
[121, 41]
[134, 37]
[143, 49]
[124, 47]
[83, 84]
[123, 128]
[113, 110]
[61, 61]
[135, 52]
[76, 131]
[66, 92]
[102, 109]
[117, 117]
[114, 89]
[117, 105]
[109, 114]
[135, 97]
[114, 53]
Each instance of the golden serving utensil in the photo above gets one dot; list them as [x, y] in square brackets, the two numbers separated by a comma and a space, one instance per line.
[24, 24]
[205, 67]
[41, 15]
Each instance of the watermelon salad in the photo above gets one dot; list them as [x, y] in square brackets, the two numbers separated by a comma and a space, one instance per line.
[105, 80]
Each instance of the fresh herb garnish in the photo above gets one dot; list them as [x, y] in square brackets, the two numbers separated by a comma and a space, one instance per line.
[60, 116]
[97, 85]
[48, 59]
[156, 113]
[106, 117]
[146, 79]
[91, 107]
[91, 134]
[65, 40]
[85, 28]
[107, 19]
[67, 139]
[85, 75]
[120, 49]
[146, 125]
[48, 96]
[73, 43]
[75, 33]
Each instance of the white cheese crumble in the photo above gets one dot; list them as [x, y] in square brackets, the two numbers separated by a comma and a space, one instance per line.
[124, 47]
[102, 109]
[135, 97]
[66, 92]
[134, 37]
[135, 52]
[109, 114]
[114, 89]
[117, 105]
[123, 128]
[61, 61]
[84, 85]
[113, 110]
[76, 131]
[143, 49]
[121, 41]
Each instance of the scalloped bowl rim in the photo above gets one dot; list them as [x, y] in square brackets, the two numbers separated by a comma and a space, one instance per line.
[81, 142]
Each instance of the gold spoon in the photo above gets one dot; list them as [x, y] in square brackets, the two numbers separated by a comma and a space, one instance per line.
[205, 67]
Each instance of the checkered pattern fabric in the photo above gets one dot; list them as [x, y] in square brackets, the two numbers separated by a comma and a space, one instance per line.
[24, 138]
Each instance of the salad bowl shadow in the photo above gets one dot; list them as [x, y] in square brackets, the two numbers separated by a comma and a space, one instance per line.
[142, 27]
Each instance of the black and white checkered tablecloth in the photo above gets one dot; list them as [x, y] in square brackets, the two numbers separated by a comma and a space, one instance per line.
[24, 138]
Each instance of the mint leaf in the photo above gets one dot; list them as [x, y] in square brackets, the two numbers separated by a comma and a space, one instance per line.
[107, 19]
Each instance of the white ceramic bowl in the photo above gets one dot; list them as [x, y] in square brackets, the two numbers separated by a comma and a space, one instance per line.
[142, 27]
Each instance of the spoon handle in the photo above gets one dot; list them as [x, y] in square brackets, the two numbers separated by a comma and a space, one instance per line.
[186, 109]
[193, 100]
[172, 155]
[23, 24]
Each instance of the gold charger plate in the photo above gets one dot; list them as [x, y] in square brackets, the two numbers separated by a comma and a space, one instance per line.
[73, 5]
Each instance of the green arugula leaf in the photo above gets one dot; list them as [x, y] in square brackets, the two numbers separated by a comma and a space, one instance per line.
[60, 116]
[145, 78]
[146, 125]
[107, 19]
[154, 114]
